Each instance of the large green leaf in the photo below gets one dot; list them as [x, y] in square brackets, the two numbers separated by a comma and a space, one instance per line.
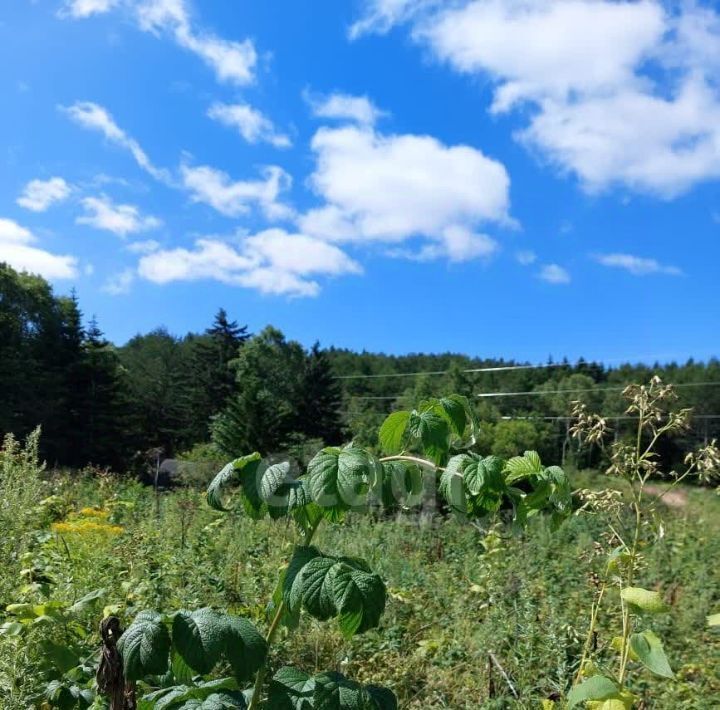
[244, 648]
[432, 431]
[644, 600]
[217, 694]
[392, 432]
[452, 483]
[384, 697]
[145, 646]
[240, 472]
[649, 650]
[291, 689]
[328, 587]
[598, 687]
[454, 408]
[199, 637]
[339, 480]
[524, 466]
[713, 620]
[333, 691]
[402, 484]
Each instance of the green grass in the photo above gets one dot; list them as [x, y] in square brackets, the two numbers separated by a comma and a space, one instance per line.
[455, 595]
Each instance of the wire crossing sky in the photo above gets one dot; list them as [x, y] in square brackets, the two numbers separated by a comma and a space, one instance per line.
[527, 180]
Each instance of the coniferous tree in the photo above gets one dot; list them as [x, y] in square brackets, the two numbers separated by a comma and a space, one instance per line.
[269, 374]
[320, 400]
[212, 380]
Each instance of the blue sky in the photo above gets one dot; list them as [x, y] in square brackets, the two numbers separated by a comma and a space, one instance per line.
[520, 179]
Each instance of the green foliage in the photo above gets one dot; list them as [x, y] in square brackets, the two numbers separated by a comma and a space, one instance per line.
[145, 646]
[328, 587]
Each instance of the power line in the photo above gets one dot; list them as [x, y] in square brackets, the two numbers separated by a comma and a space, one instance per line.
[542, 392]
[499, 368]
[609, 417]
[590, 389]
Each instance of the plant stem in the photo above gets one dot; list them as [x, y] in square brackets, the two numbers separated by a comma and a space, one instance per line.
[272, 631]
[637, 499]
[591, 631]
[413, 459]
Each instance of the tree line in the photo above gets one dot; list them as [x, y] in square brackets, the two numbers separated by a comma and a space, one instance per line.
[228, 391]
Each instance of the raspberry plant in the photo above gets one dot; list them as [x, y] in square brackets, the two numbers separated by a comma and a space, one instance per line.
[176, 652]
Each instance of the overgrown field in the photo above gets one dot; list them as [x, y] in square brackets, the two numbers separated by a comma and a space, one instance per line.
[457, 594]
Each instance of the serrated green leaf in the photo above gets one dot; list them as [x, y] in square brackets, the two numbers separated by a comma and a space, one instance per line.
[240, 472]
[199, 637]
[649, 650]
[291, 689]
[328, 587]
[452, 484]
[520, 467]
[333, 691]
[402, 484]
[292, 592]
[245, 648]
[644, 600]
[454, 408]
[597, 687]
[432, 431]
[392, 432]
[339, 479]
[145, 646]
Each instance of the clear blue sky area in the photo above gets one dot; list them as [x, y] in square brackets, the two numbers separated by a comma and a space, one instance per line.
[516, 180]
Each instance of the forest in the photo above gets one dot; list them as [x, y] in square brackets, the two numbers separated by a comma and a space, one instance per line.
[226, 390]
[347, 531]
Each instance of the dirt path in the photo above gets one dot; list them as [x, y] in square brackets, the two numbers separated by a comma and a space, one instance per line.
[673, 499]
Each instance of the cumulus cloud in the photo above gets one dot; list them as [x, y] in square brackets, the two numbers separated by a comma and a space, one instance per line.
[80, 9]
[272, 262]
[636, 265]
[232, 61]
[102, 213]
[393, 188]
[620, 93]
[344, 107]
[554, 274]
[234, 198]
[39, 195]
[17, 249]
[94, 117]
[252, 125]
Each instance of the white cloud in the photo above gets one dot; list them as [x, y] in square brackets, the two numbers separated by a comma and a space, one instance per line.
[102, 213]
[344, 107]
[636, 265]
[526, 257]
[146, 246]
[232, 61]
[94, 117]
[79, 9]
[272, 261]
[234, 198]
[252, 125]
[554, 274]
[38, 195]
[613, 91]
[120, 284]
[16, 249]
[381, 15]
[398, 187]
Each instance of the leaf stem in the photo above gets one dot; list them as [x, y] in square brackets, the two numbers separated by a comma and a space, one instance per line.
[413, 459]
[272, 630]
